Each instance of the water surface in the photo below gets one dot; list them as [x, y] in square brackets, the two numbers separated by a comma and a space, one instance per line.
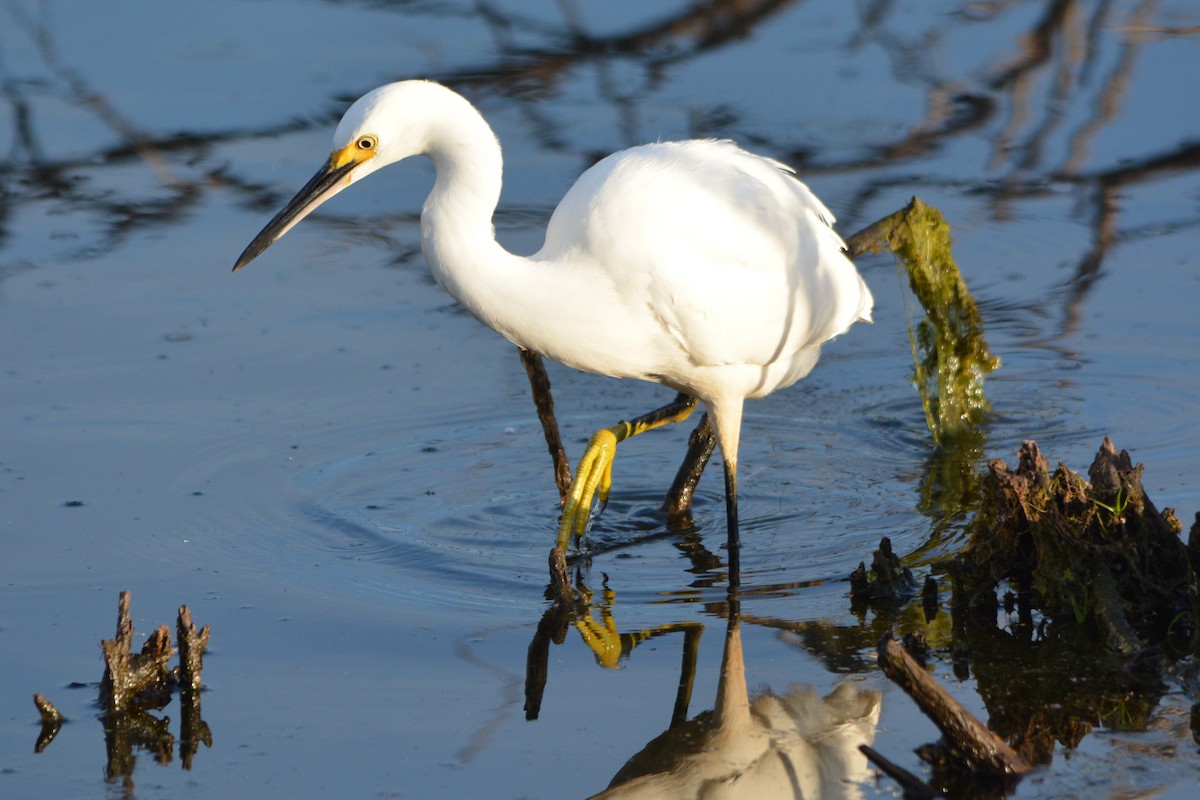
[341, 471]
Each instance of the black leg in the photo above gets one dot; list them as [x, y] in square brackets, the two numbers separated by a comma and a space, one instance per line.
[701, 444]
[539, 383]
[733, 542]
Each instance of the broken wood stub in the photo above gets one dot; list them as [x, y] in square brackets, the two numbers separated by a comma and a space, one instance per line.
[192, 645]
[1093, 552]
[135, 683]
[193, 730]
[47, 711]
[888, 582]
[142, 679]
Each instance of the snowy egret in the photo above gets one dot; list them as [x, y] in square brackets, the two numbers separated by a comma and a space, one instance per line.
[694, 264]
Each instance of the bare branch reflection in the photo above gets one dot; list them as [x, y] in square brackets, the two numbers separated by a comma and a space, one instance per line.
[1046, 79]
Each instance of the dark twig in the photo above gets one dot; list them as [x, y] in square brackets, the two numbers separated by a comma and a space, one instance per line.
[976, 747]
[914, 788]
[52, 720]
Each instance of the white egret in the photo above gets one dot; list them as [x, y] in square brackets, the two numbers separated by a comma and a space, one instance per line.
[694, 264]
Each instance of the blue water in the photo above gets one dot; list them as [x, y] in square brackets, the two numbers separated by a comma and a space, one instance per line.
[341, 471]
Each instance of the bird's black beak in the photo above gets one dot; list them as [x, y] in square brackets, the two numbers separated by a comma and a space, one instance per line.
[329, 180]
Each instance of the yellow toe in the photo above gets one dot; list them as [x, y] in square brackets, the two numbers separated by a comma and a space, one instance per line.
[594, 475]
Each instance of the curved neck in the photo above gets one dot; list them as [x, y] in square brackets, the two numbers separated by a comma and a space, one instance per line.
[515, 296]
[456, 222]
[523, 299]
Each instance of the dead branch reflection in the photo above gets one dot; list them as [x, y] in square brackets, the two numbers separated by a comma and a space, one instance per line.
[1052, 71]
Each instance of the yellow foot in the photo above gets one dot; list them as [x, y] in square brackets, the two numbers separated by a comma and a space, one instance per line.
[595, 469]
[600, 636]
[593, 477]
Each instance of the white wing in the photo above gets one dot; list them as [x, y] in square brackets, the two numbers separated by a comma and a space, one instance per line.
[732, 254]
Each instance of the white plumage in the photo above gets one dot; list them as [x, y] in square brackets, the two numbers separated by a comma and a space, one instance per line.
[694, 264]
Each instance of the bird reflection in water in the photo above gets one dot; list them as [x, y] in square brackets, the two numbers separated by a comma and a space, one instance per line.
[797, 744]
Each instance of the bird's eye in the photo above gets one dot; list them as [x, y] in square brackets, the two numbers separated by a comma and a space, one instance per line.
[366, 143]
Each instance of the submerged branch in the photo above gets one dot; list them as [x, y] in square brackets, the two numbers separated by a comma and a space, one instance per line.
[969, 739]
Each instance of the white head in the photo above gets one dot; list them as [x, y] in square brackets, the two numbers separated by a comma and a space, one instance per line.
[382, 127]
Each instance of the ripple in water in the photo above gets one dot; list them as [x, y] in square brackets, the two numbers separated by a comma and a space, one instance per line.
[459, 519]
[457, 509]
[465, 517]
